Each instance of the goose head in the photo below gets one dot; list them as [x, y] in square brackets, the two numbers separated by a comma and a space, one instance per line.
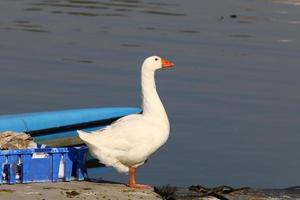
[154, 63]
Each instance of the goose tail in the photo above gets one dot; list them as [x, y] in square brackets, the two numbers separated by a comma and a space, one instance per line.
[84, 136]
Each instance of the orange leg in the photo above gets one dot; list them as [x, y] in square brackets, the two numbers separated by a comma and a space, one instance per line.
[132, 183]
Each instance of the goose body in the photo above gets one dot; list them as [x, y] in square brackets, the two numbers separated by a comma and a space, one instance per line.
[128, 142]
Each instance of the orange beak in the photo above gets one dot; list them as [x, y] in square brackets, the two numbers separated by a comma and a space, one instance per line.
[166, 64]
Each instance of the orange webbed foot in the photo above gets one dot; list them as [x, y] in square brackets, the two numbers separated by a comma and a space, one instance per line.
[139, 186]
[132, 183]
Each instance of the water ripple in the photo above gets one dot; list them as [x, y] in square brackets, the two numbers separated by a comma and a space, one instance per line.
[83, 14]
[163, 13]
[292, 2]
[25, 25]
[130, 45]
[189, 31]
[74, 7]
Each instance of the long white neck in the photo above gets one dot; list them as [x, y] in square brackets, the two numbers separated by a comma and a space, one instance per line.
[151, 103]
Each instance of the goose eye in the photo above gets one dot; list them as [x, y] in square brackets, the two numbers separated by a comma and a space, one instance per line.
[156, 59]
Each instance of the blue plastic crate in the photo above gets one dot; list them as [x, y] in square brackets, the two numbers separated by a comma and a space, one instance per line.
[42, 165]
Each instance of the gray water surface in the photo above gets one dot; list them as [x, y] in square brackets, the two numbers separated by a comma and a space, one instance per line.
[232, 99]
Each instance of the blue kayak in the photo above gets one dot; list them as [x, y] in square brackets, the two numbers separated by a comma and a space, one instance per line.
[58, 128]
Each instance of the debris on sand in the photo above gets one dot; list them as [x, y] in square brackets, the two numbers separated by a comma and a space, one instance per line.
[71, 194]
[7, 190]
[198, 192]
[15, 140]
[166, 192]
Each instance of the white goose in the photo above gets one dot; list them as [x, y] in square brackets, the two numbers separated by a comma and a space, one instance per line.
[128, 142]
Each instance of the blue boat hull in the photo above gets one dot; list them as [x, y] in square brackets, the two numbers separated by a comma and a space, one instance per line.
[58, 128]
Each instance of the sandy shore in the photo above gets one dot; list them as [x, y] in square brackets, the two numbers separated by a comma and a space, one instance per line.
[74, 190]
[85, 190]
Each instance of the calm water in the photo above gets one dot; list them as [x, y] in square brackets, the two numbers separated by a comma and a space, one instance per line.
[233, 98]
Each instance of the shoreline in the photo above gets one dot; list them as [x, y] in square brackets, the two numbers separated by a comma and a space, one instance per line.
[104, 190]
[81, 190]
